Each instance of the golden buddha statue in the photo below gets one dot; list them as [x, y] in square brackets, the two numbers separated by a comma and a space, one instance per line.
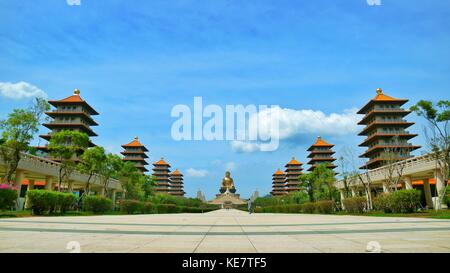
[227, 183]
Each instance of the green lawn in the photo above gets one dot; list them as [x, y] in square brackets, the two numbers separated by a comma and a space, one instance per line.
[27, 213]
[442, 214]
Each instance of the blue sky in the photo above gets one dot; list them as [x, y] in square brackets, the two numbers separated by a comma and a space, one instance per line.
[134, 60]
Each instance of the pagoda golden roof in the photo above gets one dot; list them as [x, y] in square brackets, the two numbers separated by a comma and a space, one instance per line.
[293, 162]
[161, 162]
[75, 98]
[381, 97]
[279, 172]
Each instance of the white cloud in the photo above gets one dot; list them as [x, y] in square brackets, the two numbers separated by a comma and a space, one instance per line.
[230, 166]
[294, 123]
[20, 90]
[191, 172]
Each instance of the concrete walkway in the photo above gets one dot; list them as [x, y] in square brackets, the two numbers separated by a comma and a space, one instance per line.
[224, 231]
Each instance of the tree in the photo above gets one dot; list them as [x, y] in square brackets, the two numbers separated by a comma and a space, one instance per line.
[131, 180]
[438, 137]
[149, 185]
[355, 175]
[319, 184]
[392, 154]
[65, 146]
[17, 132]
[91, 163]
[110, 169]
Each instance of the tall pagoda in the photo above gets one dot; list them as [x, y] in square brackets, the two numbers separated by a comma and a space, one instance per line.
[321, 153]
[71, 113]
[279, 183]
[135, 152]
[161, 172]
[176, 183]
[385, 130]
[293, 171]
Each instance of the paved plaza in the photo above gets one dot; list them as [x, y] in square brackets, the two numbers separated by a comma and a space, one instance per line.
[224, 231]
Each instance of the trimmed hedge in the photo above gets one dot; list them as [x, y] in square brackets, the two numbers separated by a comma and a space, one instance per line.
[43, 201]
[323, 207]
[355, 204]
[97, 204]
[134, 206]
[402, 201]
[308, 207]
[7, 198]
[131, 206]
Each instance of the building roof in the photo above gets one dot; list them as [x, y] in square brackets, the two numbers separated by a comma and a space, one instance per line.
[135, 144]
[293, 162]
[381, 97]
[176, 172]
[279, 172]
[320, 143]
[74, 99]
[161, 162]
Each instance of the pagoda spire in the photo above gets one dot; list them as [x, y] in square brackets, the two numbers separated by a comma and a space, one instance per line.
[385, 130]
[71, 113]
[135, 152]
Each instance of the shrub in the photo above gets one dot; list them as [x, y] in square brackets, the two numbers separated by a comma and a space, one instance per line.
[7, 198]
[355, 204]
[43, 201]
[406, 201]
[325, 206]
[383, 203]
[166, 208]
[64, 201]
[131, 206]
[402, 201]
[147, 208]
[308, 207]
[97, 204]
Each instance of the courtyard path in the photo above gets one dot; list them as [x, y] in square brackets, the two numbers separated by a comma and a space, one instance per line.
[224, 231]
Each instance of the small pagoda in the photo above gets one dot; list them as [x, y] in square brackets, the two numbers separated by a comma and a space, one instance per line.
[385, 130]
[161, 172]
[71, 113]
[135, 152]
[279, 183]
[293, 171]
[176, 183]
[321, 153]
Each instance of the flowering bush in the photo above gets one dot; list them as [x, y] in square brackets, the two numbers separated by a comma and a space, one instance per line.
[8, 194]
[4, 186]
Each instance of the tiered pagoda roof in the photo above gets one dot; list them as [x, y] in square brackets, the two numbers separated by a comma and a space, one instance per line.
[176, 183]
[293, 171]
[321, 152]
[161, 172]
[71, 113]
[135, 152]
[385, 128]
[279, 183]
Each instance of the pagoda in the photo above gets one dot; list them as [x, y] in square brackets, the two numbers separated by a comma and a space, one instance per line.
[385, 130]
[293, 171]
[135, 152]
[161, 172]
[279, 183]
[321, 153]
[176, 183]
[71, 113]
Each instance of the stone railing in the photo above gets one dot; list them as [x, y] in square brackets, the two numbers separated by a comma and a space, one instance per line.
[46, 167]
[410, 167]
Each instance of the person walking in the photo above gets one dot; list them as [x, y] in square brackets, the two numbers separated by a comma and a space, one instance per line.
[250, 206]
